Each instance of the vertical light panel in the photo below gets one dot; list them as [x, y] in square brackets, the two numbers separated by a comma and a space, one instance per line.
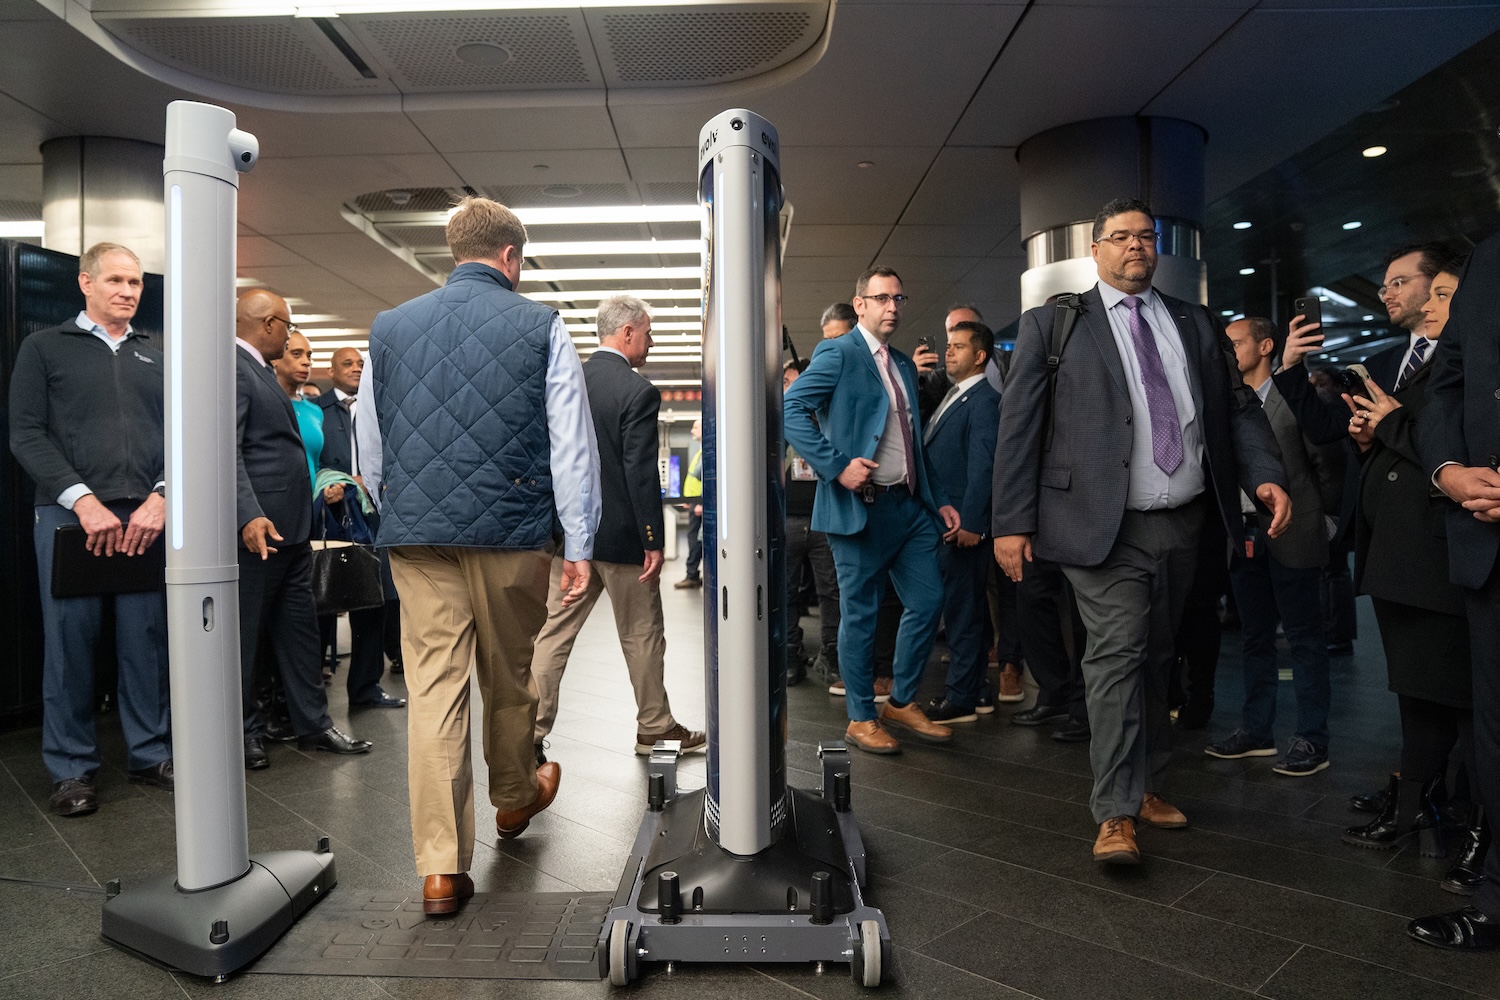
[174, 334]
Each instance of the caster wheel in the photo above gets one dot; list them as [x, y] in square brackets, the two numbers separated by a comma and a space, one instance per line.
[866, 966]
[619, 968]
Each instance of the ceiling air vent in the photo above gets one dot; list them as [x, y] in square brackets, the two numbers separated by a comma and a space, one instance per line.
[457, 52]
[695, 47]
[261, 54]
[416, 200]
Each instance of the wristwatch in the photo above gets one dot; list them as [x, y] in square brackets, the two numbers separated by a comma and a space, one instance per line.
[160, 491]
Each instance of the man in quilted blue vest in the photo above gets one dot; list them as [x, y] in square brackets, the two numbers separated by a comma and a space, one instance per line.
[487, 465]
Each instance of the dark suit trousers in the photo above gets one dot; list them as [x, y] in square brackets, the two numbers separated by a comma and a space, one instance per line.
[1484, 632]
[1131, 605]
[276, 607]
[1268, 593]
[1046, 607]
[966, 617]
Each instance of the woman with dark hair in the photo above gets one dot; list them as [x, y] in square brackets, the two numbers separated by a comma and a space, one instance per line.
[1401, 561]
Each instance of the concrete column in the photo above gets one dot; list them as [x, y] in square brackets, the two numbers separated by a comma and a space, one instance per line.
[97, 189]
[1069, 172]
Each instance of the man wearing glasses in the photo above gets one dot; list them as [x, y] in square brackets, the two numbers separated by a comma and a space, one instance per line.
[1152, 431]
[853, 417]
[273, 500]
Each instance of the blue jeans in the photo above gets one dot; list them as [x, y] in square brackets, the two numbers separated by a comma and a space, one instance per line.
[900, 539]
[966, 615]
[1266, 593]
[70, 748]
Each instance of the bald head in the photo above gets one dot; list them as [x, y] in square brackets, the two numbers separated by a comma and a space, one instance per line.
[346, 366]
[262, 320]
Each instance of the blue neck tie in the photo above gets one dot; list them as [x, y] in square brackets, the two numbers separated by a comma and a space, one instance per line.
[1414, 363]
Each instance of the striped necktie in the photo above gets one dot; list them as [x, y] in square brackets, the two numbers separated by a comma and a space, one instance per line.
[1414, 363]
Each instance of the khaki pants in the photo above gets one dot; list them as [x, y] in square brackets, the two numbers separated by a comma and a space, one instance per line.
[463, 607]
[638, 619]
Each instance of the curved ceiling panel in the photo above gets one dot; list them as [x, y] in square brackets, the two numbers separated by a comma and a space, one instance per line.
[353, 59]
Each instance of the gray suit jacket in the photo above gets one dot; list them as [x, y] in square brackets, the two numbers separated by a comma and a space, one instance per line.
[1315, 478]
[1071, 499]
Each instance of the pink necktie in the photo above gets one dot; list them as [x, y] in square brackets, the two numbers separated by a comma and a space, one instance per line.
[903, 415]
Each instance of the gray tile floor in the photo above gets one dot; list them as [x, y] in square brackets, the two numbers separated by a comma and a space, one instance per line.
[979, 855]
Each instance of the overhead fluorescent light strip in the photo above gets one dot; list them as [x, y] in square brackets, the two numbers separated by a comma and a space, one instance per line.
[605, 248]
[600, 294]
[611, 274]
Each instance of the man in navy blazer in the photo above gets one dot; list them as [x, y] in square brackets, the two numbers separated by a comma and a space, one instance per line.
[960, 443]
[1461, 446]
[853, 417]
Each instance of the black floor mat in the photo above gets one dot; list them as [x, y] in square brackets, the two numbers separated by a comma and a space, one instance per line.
[502, 935]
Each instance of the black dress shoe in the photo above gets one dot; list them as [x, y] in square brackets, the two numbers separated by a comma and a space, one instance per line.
[1467, 873]
[158, 775]
[280, 731]
[333, 741]
[383, 701]
[1039, 715]
[74, 797]
[1192, 717]
[1073, 731]
[1462, 930]
[255, 754]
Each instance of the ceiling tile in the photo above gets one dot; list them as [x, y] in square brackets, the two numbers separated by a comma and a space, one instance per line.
[810, 240]
[288, 133]
[304, 194]
[969, 186]
[825, 185]
[572, 126]
[564, 166]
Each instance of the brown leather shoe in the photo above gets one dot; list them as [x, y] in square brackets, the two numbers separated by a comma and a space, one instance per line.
[1116, 842]
[871, 737]
[692, 740]
[912, 717]
[1010, 684]
[442, 893]
[513, 823]
[883, 687]
[1155, 811]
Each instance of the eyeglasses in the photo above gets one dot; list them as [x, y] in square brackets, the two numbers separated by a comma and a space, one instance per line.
[290, 326]
[1122, 239]
[1396, 283]
[883, 298]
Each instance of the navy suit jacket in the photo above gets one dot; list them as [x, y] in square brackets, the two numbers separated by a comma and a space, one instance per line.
[270, 463]
[835, 413]
[336, 452]
[961, 448]
[1463, 422]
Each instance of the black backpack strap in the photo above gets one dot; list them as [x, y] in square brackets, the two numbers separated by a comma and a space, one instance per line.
[1064, 316]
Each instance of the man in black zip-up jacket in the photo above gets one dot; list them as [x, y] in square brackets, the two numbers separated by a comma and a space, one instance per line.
[86, 425]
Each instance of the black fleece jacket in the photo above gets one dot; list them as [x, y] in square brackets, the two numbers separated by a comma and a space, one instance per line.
[81, 413]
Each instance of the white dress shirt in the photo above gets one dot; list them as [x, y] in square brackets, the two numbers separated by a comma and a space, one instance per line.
[353, 411]
[1411, 345]
[570, 431]
[1150, 487]
[952, 397]
[890, 453]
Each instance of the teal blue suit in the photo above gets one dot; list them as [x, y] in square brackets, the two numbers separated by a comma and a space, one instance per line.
[836, 412]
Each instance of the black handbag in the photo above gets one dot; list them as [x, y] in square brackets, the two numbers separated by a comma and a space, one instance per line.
[345, 575]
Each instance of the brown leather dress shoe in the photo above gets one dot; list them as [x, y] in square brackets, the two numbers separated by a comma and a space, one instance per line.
[1116, 842]
[911, 716]
[871, 737]
[693, 741]
[513, 823]
[1157, 812]
[1011, 689]
[442, 893]
[883, 687]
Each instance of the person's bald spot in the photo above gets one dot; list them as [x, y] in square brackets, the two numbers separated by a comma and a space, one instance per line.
[262, 319]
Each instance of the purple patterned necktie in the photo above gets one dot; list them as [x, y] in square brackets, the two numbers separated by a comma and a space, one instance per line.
[903, 416]
[1166, 431]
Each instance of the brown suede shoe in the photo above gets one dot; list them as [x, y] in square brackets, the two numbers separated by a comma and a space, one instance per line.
[442, 893]
[912, 717]
[1116, 842]
[513, 823]
[871, 737]
[1155, 811]
[1010, 684]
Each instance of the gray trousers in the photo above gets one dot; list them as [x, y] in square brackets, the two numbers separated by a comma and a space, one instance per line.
[1131, 604]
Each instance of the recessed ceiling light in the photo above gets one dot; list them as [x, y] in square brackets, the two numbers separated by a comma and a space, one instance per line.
[540, 166]
[865, 164]
[562, 191]
[1370, 152]
[1368, 317]
[1353, 225]
[1242, 225]
[486, 54]
[1247, 270]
